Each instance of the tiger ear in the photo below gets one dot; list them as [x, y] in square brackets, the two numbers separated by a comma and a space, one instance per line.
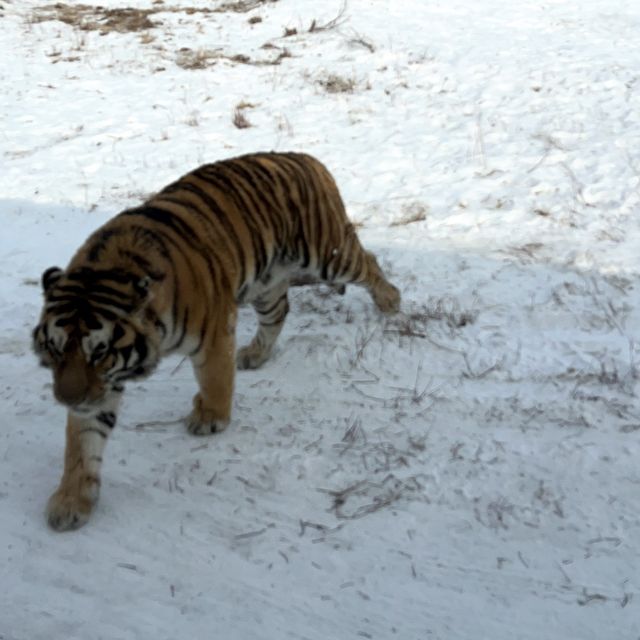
[49, 277]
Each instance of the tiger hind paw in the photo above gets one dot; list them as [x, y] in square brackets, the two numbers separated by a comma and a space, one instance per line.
[251, 357]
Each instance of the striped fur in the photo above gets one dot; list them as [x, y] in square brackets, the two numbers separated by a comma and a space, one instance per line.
[169, 275]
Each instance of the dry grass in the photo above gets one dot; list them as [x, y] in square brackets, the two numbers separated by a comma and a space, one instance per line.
[239, 119]
[203, 58]
[443, 310]
[316, 27]
[414, 212]
[242, 6]
[268, 62]
[196, 59]
[366, 497]
[526, 253]
[333, 83]
[95, 18]
[128, 19]
[361, 41]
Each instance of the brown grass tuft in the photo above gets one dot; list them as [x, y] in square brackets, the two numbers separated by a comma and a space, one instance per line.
[196, 59]
[333, 83]
[242, 6]
[239, 120]
[95, 18]
[414, 212]
[127, 19]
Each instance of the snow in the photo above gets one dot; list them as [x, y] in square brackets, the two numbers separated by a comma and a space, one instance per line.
[467, 469]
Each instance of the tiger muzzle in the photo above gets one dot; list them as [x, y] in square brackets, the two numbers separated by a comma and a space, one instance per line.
[72, 382]
[69, 386]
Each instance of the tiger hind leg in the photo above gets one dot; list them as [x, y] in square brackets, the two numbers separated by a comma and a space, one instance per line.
[352, 264]
[272, 308]
[385, 295]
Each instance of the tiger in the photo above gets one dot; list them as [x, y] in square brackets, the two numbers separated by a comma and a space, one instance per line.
[168, 276]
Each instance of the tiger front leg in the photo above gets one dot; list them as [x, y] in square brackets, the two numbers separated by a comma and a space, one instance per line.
[71, 504]
[214, 367]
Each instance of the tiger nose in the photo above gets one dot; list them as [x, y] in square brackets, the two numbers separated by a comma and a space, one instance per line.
[70, 386]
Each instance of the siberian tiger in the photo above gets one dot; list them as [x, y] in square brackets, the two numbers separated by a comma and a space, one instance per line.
[168, 276]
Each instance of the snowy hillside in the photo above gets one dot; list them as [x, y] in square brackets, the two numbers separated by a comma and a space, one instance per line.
[469, 469]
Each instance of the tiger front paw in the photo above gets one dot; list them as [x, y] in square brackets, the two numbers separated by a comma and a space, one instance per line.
[66, 511]
[204, 422]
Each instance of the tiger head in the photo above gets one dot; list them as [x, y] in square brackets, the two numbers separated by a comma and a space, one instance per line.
[96, 331]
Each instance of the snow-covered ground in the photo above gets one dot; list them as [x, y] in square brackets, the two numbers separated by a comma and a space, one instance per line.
[469, 469]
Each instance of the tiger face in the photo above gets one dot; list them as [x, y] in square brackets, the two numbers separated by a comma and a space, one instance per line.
[95, 333]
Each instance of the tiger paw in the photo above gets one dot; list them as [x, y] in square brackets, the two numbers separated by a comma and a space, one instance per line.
[66, 511]
[251, 357]
[203, 422]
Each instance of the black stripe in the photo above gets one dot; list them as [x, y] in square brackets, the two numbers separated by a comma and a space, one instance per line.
[148, 238]
[311, 211]
[118, 332]
[88, 275]
[92, 322]
[140, 345]
[164, 239]
[250, 192]
[108, 418]
[126, 352]
[264, 192]
[100, 241]
[69, 289]
[262, 311]
[219, 215]
[182, 229]
[203, 331]
[170, 220]
[97, 301]
[282, 178]
[269, 218]
[183, 332]
[230, 188]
